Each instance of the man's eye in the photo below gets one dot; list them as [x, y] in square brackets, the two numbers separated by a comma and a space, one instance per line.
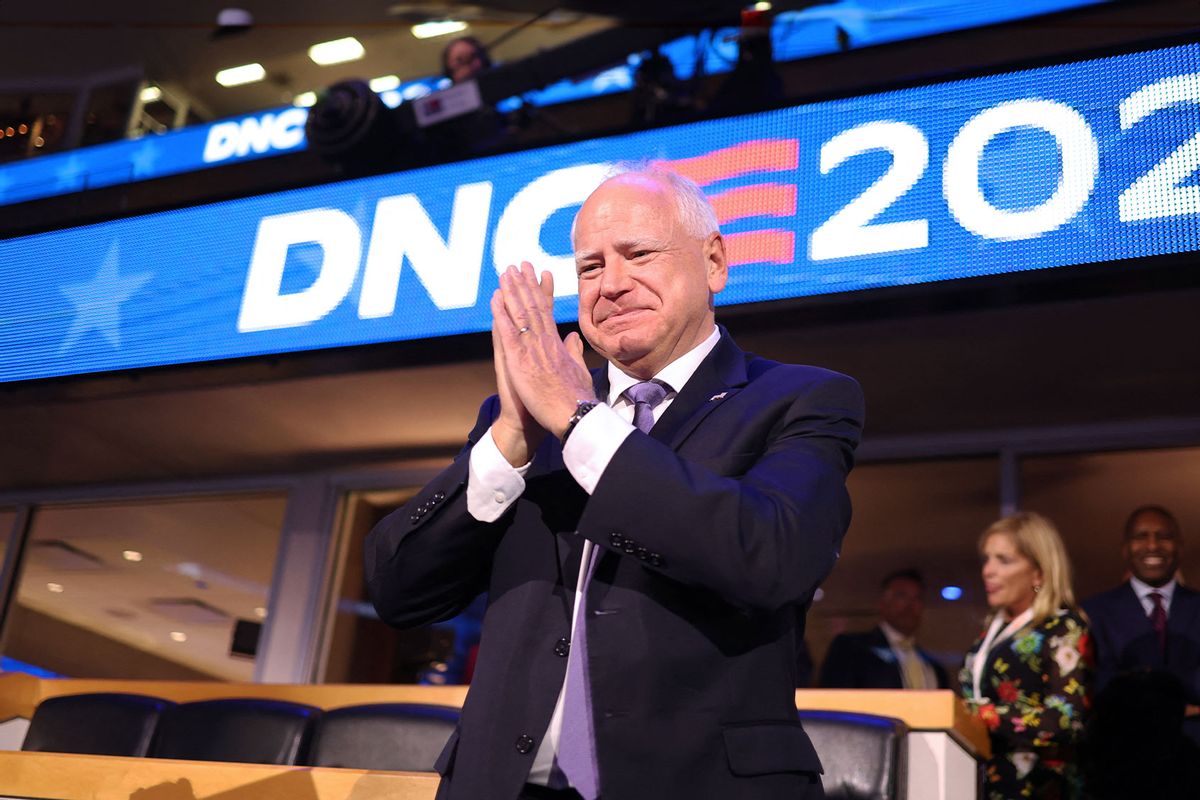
[586, 268]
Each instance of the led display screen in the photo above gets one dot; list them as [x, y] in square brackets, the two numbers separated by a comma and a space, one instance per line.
[1037, 169]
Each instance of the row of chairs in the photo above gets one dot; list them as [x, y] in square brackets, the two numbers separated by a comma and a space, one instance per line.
[863, 755]
[385, 736]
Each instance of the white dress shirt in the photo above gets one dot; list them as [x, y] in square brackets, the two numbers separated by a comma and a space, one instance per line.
[493, 484]
[1143, 590]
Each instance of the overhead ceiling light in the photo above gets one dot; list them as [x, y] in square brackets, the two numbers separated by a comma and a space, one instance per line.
[178, 636]
[384, 83]
[150, 94]
[305, 100]
[55, 587]
[428, 30]
[762, 6]
[337, 51]
[246, 73]
[131, 555]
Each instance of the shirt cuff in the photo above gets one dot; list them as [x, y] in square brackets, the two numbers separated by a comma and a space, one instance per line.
[592, 444]
[492, 483]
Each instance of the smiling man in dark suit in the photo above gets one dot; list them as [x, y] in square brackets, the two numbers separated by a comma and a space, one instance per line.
[645, 532]
[1151, 621]
[887, 656]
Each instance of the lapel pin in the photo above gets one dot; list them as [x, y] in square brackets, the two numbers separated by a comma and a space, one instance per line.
[720, 396]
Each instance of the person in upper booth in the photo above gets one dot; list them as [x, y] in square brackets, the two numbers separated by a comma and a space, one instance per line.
[464, 58]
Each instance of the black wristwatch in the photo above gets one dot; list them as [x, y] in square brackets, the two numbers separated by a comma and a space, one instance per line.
[582, 407]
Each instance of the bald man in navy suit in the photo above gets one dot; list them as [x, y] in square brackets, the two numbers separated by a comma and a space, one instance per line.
[1151, 621]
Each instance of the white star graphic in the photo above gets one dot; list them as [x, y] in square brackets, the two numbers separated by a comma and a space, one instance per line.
[144, 159]
[97, 302]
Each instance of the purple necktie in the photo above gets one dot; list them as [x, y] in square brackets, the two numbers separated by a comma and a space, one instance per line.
[576, 757]
[1158, 620]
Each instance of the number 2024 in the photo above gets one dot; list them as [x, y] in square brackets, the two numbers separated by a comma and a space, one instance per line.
[1157, 193]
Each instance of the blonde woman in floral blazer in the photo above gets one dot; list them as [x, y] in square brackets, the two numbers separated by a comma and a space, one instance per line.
[1028, 675]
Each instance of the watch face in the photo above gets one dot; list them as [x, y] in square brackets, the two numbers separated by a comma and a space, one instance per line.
[581, 407]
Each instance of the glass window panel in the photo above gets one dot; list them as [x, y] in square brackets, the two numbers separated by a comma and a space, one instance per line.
[926, 515]
[146, 588]
[1089, 495]
[363, 649]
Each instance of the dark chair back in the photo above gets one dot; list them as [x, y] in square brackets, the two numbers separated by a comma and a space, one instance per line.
[99, 724]
[383, 736]
[864, 755]
[247, 730]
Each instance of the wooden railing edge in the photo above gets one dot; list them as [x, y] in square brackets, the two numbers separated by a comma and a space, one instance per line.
[920, 710]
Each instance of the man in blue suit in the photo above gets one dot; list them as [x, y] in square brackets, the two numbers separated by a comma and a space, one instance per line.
[1151, 621]
[887, 656]
[646, 532]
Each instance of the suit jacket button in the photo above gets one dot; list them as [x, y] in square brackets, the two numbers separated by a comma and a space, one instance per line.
[643, 553]
[415, 518]
[656, 560]
[439, 497]
[562, 647]
[630, 546]
[524, 744]
[616, 539]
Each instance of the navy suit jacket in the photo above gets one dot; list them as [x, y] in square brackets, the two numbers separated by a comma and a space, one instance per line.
[1124, 640]
[713, 529]
[866, 661]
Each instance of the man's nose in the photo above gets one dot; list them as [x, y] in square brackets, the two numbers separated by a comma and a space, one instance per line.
[615, 280]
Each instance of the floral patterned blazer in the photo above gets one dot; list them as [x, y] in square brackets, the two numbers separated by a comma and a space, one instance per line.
[1035, 686]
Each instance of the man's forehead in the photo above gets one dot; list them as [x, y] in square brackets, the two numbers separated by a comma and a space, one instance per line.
[1151, 521]
[611, 204]
[630, 187]
[902, 585]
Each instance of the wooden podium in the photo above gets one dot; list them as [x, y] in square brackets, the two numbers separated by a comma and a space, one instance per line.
[945, 742]
[941, 757]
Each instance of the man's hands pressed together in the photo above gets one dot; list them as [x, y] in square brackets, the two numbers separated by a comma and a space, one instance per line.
[540, 377]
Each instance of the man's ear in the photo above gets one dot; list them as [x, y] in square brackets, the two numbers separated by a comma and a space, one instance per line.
[715, 263]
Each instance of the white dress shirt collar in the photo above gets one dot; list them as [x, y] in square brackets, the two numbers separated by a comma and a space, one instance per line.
[895, 638]
[1143, 590]
[676, 374]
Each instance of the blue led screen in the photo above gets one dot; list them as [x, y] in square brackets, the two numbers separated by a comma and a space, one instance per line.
[1038, 169]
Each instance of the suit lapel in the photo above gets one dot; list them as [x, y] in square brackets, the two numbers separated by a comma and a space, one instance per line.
[1132, 615]
[895, 673]
[1181, 617]
[720, 375]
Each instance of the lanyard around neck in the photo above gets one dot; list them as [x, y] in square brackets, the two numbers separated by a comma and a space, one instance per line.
[995, 636]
